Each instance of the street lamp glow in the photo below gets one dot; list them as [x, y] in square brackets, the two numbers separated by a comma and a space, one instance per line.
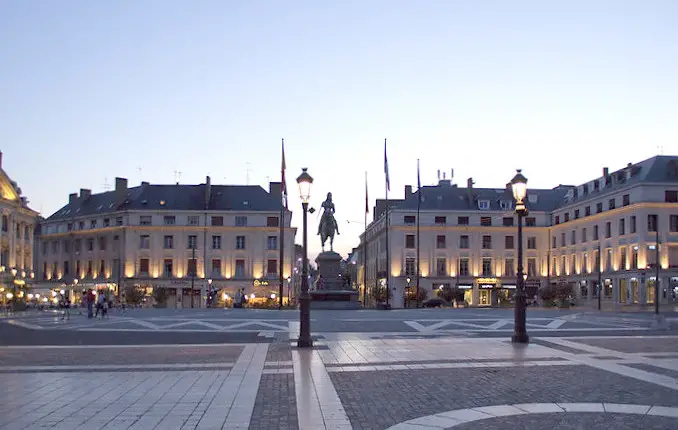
[13, 272]
[30, 296]
[519, 187]
[75, 282]
[63, 292]
[273, 296]
[10, 295]
[304, 181]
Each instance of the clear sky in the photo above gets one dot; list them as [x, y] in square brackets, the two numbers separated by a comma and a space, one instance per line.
[91, 90]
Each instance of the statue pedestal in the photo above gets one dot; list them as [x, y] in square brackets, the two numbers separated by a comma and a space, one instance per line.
[330, 292]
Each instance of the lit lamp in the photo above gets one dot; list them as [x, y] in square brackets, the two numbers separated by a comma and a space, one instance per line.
[304, 181]
[519, 187]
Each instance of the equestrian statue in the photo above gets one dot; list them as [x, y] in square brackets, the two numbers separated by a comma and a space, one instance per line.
[328, 225]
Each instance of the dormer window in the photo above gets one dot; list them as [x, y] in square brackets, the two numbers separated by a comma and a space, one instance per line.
[483, 205]
[505, 205]
[532, 198]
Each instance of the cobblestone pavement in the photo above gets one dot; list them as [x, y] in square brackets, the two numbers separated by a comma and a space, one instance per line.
[438, 383]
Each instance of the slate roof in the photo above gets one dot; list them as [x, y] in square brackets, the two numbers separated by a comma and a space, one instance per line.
[173, 198]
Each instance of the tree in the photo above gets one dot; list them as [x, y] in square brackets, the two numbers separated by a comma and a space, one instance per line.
[380, 294]
[160, 295]
[133, 294]
[451, 294]
[558, 294]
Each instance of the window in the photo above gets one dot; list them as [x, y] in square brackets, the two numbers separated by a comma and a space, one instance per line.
[463, 267]
[532, 242]
[167, 268]
[509, 267]
[54, 271]
[169, 220]
[508, 221]
[573, 264]
[611, 204]
[463, 242]
[192, 241]
[89, 268]
[557, 221]
[69, 226]
[144, 241]
[567, 217]
[563, 265]
[239, 268]
[216, 267]
[608, 259]
[66, 268]
[585, 263]
[143, 266]
[81, 226]
[632, 223]
[145, 220]
[553, 242]
[599, 207]
[530, 221]
[441, 266]
[652, 222]
[107, 222]
[410, 266]
[409, 241]
[410, 219]
[44, 271]
[485, 221]
[583, 235]
[673, 223]
[487, 266]
[240, 242]
[487, 242]
[44, 249]
[272, 221]
[168, 242]
[595, 232]
[626, 200]
[440, 242]
[531, 267]
[576, 214]
[192, 267]
[77, 267]
[634, 258]
[216, 242]
[217, 221]
[193, 220]
[462, 220]
[562, 239]
[241, 221]
[441, 220]
[90, 244]
[102, 268]
[671, 196]
[77, 246]
[271, 267]
[272, 242]
[608, 230]
[508, 242]
[596, 261]
[587, 211]
[483, 205]
[623, 259]
[554, 266]
[102, 243]
[67, 246]
[118, 221]
[5, 223]
[573, 237]
[622, 227]
[92, 224]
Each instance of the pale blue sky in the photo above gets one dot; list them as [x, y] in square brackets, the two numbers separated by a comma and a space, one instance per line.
[96, 89]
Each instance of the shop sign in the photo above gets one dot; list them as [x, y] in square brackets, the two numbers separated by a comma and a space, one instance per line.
[486, 286]
[465, 287]
[487, 280]
[175, 282]
[258, 283]
[509, 287]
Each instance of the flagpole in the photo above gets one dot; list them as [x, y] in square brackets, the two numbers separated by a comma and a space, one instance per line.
[388, 256]
[367, 210]
[282, 228]
[418, 208]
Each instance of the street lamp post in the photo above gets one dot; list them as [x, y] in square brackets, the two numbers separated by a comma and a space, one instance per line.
[519, 187]
[407, 298]
[304, 181]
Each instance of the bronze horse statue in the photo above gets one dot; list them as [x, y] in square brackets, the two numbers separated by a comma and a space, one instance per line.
[328, 225]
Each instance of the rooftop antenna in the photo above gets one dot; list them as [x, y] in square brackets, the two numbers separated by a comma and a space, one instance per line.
[105, 185]
[247, 173]
[177, 176]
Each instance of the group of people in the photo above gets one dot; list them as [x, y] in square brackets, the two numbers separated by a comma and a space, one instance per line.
[240, 298]
[97, 305]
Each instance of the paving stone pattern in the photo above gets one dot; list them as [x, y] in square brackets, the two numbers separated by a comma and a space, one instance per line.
[378, 400]
[578, 421]
[275, 406]
[654, 369]
[636, 345]
[279, 351]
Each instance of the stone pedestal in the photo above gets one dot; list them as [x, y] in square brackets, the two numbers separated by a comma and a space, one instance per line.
[330, 291]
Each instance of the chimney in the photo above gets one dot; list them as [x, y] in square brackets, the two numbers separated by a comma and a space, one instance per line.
[120, 189]
[144, 184]
[444, 182]
[408, 191]
[509, 188]
[469, 183]
[208, 191]
[85, 193]
[451, 174]
[606, 172]
[438, 174]
[275, 189]
[72, 197]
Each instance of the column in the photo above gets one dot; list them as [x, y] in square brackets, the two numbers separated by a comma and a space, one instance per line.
[590, 285]
[615, 290]
[642, 291]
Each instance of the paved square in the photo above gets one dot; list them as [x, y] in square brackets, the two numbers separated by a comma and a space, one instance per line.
[403, 383]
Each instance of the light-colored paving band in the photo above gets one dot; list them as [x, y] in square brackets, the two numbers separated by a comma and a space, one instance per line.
[458, 417]
[125, 367]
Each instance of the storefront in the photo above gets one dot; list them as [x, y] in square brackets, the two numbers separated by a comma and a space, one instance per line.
[468, 293]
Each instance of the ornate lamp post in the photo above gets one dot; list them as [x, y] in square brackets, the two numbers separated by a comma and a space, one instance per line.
[519, 186]
[304, 181]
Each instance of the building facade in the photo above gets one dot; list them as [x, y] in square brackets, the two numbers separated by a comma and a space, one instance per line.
[187, 239]
[17, 230]
[601, 235]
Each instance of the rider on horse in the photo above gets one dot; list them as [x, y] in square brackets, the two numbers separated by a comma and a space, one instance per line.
[328, 215]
